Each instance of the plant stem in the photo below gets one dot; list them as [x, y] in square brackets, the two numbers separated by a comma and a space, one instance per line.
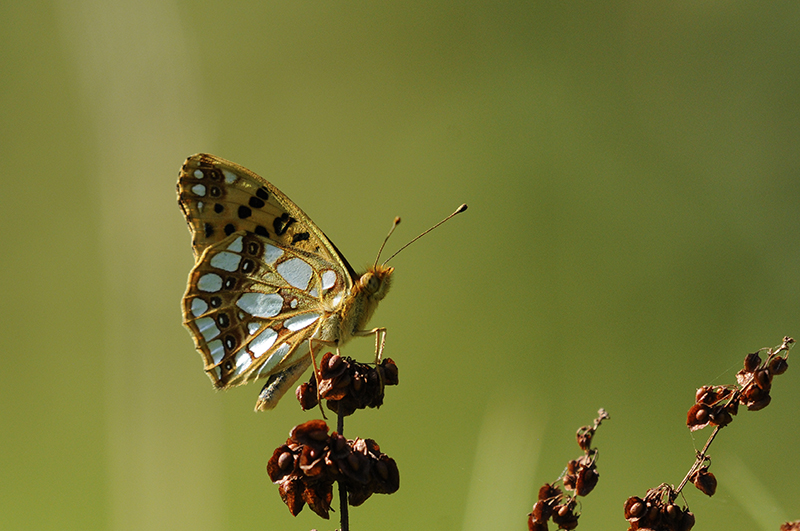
[699, 460]
[344, 517]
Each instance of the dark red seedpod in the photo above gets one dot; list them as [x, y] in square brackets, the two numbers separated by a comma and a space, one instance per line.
[687, 522]
[306, 394]
[720, 417]
[752, 361]
[564, 516]
[542, 511]
[548, 491]
[755, 398]
[536, 525]
[778, 365]
[698, 417]
[635, 508]
[763, 379]
[704, 481]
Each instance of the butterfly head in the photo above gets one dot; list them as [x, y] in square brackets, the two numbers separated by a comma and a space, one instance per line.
[375, 283]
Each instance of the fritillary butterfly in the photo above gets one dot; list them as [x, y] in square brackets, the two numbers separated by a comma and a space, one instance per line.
[268, 289]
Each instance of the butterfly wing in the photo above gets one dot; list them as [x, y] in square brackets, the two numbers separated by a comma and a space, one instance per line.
[219, 197]
[265, 277]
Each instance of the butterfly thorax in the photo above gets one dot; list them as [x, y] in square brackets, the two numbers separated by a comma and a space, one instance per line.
[357, 308]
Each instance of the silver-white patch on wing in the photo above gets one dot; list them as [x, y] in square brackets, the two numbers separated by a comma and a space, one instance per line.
[296, 272]
[262, 342]
[298, 322]
[210, 282]
[226, 261]
[261, 304]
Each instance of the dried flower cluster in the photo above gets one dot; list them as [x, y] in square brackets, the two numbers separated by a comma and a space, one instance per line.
[658, 512]
[347, 385]
[306, 467]
[718, 404]
[715, 405]
[581, 477]
[552, 503]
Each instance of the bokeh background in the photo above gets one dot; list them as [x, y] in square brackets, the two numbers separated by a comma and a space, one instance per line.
[632, 171]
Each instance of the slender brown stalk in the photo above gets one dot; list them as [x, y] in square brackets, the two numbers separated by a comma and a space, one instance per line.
[344, 517]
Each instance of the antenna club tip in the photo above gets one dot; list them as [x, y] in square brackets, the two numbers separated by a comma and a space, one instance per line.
[461, 209]
[397, 220]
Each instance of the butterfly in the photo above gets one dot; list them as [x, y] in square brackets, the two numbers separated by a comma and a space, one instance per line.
[268, 289]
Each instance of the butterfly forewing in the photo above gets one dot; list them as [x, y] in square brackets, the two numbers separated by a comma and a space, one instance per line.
[265, 277]
[219, 197]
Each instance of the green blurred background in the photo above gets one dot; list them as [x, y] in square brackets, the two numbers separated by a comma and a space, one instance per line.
[632, 171]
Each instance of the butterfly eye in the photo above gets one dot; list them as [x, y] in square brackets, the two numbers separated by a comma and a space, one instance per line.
[370, 282]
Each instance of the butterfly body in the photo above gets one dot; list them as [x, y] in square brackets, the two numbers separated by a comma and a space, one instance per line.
[268, 286]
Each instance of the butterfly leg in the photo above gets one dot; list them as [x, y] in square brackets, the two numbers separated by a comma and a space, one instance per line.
[380, 340]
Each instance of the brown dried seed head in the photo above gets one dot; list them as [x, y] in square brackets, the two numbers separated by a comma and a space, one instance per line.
[390, 372]
[763, 379]
[751, 361]
[548, 491]
[704, 481]
[778, 365]
[687, 522]
[334, 361]
[542, 511]
[720, 417]
[536, 525]
[697, 417]
[587, 481]
[673, 512]
[306, 394]
[635, 508]
[701, 394]
[565, 517]
[760, 404]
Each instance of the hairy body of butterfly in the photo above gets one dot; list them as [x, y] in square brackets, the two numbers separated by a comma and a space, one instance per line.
[268, 286]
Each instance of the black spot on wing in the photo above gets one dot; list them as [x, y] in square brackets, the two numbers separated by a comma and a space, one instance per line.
[244, 212]
[282, 224]
[299, 237]
[256, 202]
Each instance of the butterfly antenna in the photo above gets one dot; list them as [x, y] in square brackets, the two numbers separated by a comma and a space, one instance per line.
[386, 239]
[459, 210]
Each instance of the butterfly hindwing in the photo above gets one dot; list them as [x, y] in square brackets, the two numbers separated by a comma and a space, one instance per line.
[255, 296]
